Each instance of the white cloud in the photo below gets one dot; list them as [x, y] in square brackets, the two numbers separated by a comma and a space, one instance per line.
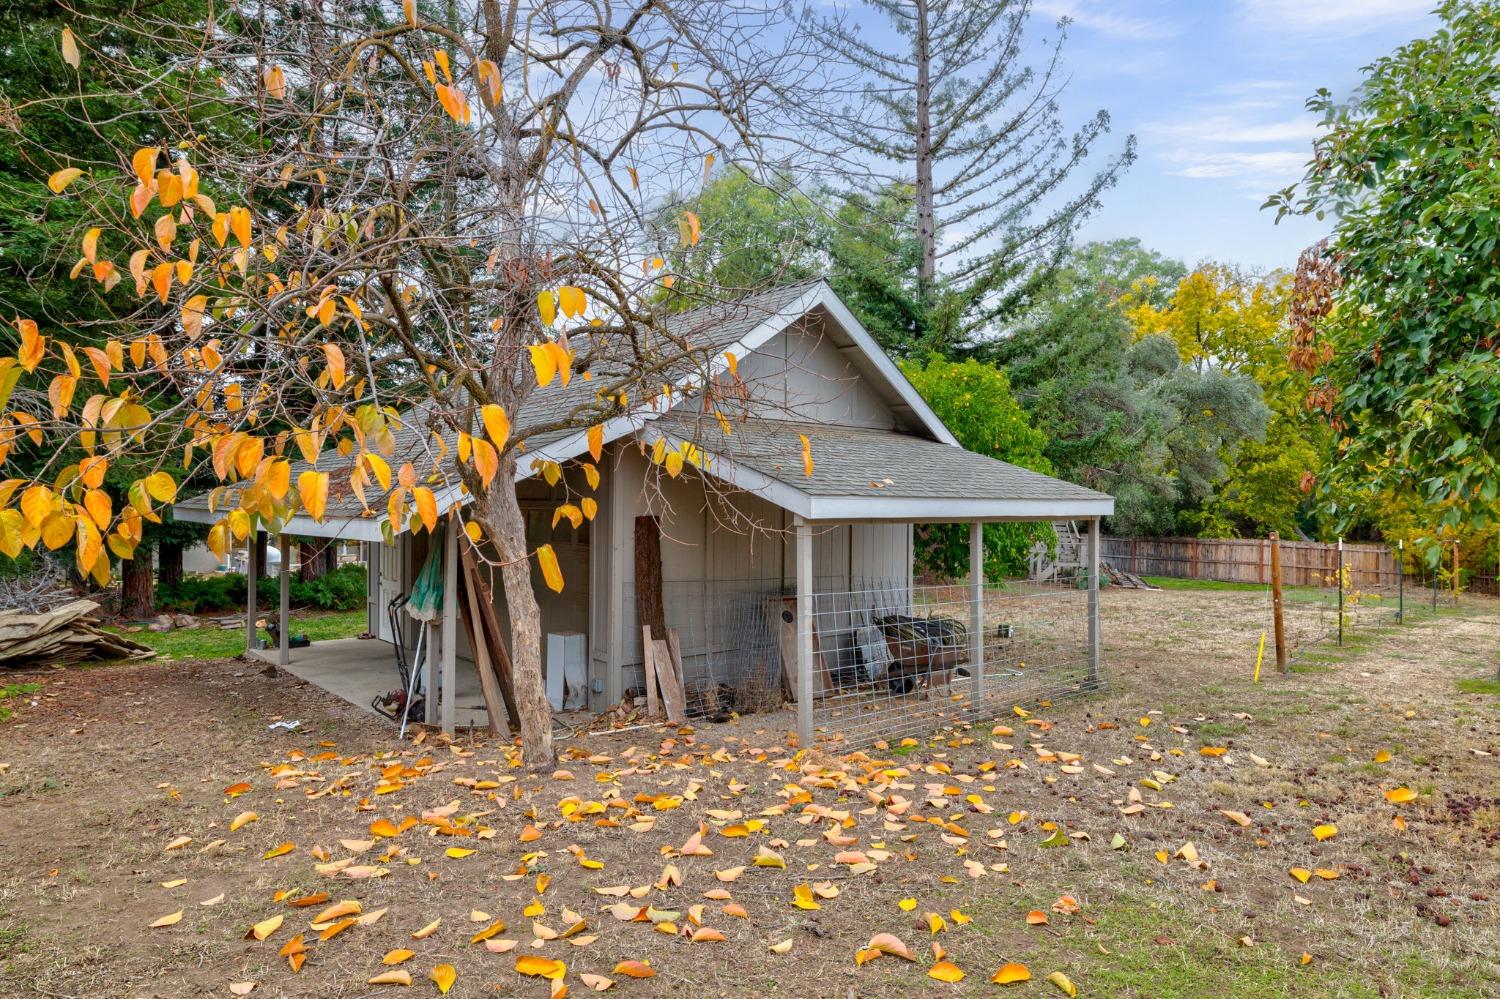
[1326, 15]
[1107, 17]
[1233, 129]
[1261, 171]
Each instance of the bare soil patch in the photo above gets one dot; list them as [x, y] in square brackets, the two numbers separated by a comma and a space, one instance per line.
[115, 764]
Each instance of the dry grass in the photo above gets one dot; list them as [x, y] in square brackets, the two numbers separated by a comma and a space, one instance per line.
[116, 762]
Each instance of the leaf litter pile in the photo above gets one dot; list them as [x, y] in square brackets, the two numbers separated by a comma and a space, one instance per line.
[1001, 859]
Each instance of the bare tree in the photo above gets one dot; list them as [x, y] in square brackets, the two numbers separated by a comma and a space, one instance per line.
[972, 140]
[425, 238]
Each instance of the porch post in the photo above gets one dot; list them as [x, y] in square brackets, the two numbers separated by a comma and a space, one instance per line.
[1093, 565]
[976, 609]
[251, 571]
[805, 663]
[449, 682]
[284, 651]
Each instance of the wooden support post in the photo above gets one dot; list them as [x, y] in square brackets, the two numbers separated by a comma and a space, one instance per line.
[449, 682]
[284, 633]
[976, 610]
[1093, 608]
[250, 577]
[650, 606]
[805, 663]
[1276, 602]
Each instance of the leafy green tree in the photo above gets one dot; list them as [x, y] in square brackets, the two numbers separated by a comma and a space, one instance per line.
[1397, 316]
[1122, 415]
[754, 235]
[974, 400]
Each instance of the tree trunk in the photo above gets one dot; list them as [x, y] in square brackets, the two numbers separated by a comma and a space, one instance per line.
[926, 224]
[499, 515]
[261, 542]
[314, 552]
[169, 572]
[137, 587]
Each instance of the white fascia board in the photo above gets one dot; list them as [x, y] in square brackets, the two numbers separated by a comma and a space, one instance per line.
[626, 424]
[885, 366]
[872, 508]
[339, 529]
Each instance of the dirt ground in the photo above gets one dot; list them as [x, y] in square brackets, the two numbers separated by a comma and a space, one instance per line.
[118, 789]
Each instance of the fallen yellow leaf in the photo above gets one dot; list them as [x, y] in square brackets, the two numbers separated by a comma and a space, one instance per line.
[444, 976]
[171, 920]
[945, 971]
[1011, 974]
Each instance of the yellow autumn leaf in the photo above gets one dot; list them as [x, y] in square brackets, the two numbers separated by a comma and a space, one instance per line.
[1012, 973]
[169, 920]
[496, 425]
[444, 976]
[945, 971]
[540, 967]
[398, 956]
[546, 558]
[312, 489]
[426, 506]
[544, 363]
[278, 851]
[1401, 795]
[1325, 831]
[546, 307]
[396, 976]
[59, 181]
[265, 927]
[807, 458]
[1064, 984]
[70, 52]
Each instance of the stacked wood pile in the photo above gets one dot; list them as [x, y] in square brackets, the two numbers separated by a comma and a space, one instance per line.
[65, 634]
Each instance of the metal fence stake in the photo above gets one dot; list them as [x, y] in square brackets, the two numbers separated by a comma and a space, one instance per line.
[1401, 581]
[1341, 590]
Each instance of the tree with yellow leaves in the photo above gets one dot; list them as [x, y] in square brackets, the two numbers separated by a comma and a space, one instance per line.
[436, 229]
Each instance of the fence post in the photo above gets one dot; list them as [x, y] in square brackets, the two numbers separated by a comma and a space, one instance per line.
[1276, 601]
[1400, 580]
[1341, 590]
[1435, 584]
[976, 611]
[1455, 572]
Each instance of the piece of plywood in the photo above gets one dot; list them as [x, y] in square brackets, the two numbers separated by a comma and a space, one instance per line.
[488, 631]
[781, 612]
[489, 686]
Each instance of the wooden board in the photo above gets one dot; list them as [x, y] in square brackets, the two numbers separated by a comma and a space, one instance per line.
[490, 628]
[673, 698]
[648, 661]
[489, 684]
[650, 610]
[782, 614]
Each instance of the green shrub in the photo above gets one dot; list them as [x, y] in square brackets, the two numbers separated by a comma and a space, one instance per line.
[342, 589]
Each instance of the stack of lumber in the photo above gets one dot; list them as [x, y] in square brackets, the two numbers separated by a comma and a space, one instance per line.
[663, 663]
[62, 635]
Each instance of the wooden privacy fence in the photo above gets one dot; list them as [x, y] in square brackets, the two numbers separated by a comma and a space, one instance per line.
[1248, 560]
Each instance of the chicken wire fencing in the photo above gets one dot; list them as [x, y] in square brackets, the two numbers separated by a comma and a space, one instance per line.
[891, 658]
[890, 662]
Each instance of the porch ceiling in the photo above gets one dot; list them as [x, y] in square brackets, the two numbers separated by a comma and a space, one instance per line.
[864, 474]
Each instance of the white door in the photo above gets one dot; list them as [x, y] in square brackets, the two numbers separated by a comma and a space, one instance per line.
[390, 584]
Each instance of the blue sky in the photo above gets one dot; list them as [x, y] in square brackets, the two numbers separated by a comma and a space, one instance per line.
[1214, 92]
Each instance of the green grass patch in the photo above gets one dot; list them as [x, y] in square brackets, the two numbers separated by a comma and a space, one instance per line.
[216, 643]
[1480, 685]
[14, 691]
[1173, 583]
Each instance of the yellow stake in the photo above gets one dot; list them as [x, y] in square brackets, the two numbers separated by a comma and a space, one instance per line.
[1260, 656]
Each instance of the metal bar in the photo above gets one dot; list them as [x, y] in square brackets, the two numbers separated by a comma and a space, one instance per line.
[449, 683]
[1093, 611]
[1341, 590]
[805, 663]
[1401, 581]
[976, 609]
[284, 636]
[252, 570]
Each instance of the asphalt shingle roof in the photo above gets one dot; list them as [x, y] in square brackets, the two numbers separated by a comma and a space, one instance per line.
[855, 462]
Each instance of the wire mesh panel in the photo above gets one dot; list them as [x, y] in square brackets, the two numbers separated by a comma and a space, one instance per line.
[897, 660]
